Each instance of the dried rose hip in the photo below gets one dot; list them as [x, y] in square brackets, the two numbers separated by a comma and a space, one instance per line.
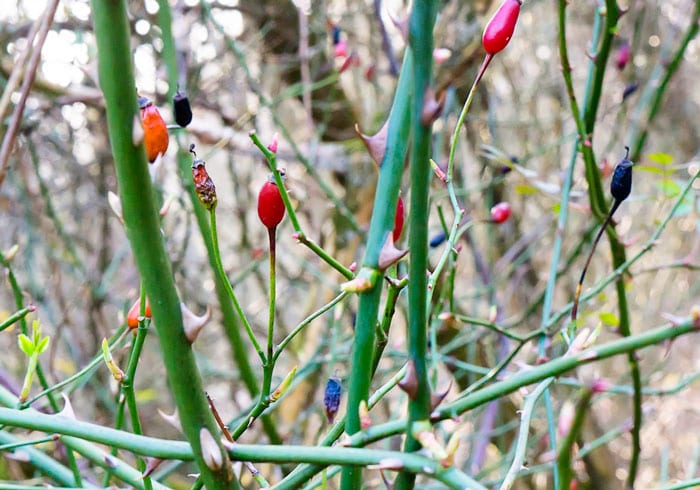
[155, 132]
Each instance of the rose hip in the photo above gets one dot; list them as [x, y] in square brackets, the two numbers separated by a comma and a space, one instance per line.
[500, 212]
[398, 220]
[500, 28]
[155, 132]
[270, 204]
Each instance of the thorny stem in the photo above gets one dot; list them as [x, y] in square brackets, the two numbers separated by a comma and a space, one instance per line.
[585, 125]
[381, 224]
[115, 67]
[421, 24]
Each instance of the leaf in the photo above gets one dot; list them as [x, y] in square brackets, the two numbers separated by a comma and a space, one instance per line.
[25, 344]
[609, 319]
[43, 344]
[649, 168]
[525, 190]
[668, 187]
[660, 158]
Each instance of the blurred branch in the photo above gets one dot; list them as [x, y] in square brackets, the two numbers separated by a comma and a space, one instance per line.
[9, 139]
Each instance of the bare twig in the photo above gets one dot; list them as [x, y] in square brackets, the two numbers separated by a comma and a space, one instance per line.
[9, 140]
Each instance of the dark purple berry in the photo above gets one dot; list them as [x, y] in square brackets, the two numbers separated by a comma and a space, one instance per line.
[183, 111]
[331, 399]
[621, 184]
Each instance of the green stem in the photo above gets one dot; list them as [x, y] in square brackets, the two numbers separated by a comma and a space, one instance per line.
[421, 25]
[567, 444]
[15, 317]
[229, 290]
[44, 463]
[168, 449]
[128, 384]
[111, 27]
[381, 224]
[521, 443]
[273, 293]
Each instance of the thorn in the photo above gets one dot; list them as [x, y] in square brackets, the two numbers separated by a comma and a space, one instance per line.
[173, 420]
[67, 408]
[211, 453]
[432, 106]
[151, 465]
[389, 254]
[409, 383]
[192, 323]
[376, 145]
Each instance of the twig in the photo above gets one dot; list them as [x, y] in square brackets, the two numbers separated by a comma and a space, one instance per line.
[9, 140]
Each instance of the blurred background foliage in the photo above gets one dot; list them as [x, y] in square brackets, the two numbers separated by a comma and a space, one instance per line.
[271, 66]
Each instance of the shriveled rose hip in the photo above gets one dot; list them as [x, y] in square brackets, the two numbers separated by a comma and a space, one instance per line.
[155, 132]
[500, 28]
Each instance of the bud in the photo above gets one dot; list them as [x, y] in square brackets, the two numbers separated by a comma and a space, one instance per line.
[363, 412]
[284, 386]
[623, 55]
[182, 109]
[275, 142]
[365, 280]
[203, 185]
[441, 55]
[340, 50]
[133, 317]
[331, 398]
[117, 373]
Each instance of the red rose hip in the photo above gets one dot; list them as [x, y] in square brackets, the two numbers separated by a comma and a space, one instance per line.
[500, 28]
[500, 212]
[270, 204]
[398, 220]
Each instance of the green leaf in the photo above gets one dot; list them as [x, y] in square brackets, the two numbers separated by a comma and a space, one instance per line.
[649, 168]
[660, 158]
[609, 319]
[556, 209]
[43, 344]
[668, 187]
[25, 344]
[525, 190]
